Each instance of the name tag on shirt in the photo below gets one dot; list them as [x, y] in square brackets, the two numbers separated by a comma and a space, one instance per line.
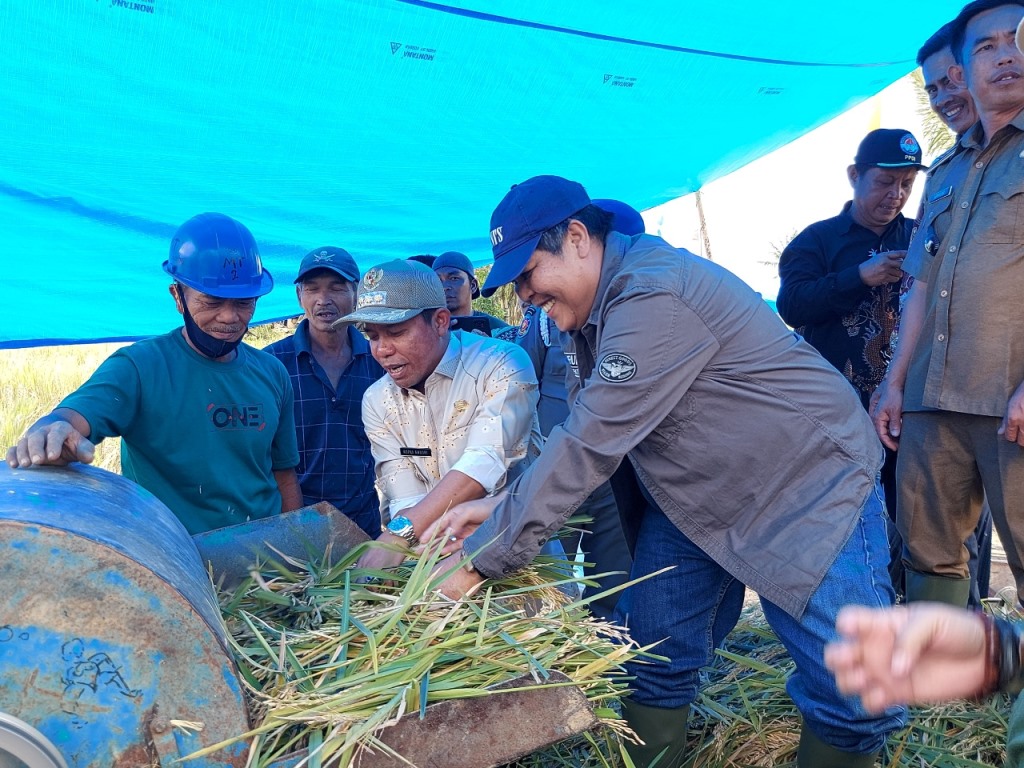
[941, 194]
[415, 451]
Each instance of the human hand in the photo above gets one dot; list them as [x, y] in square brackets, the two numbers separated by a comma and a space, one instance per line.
[882, 268]
[50, 442]
[919, 653]
[383, 557]
[460, 582]
[1012, 426]
[886, 411]
[459, 522]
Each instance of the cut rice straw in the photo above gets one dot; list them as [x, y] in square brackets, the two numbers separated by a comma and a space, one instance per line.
[333, 656]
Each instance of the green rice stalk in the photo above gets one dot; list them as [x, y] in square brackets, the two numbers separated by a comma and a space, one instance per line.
[329, 661]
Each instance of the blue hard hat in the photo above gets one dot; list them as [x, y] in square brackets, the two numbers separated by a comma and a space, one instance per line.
[218, 256]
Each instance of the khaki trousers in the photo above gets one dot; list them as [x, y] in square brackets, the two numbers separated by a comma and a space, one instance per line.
[946, 463]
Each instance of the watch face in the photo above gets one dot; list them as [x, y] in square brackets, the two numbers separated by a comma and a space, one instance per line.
[399, 525]
[402, 526]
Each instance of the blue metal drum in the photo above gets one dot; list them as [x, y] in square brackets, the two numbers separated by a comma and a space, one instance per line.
[111, 640]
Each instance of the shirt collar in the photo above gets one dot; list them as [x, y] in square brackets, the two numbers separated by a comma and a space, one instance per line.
[615, 247]
[845, 217]
[973, 136]
[450, 360]
[358, 342]
[301, 337]
[847, 222]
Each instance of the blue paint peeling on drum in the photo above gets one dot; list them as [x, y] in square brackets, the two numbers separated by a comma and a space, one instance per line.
[110, 510]
[86, 689]
[118, 623]
[231, 680]
[117, 580]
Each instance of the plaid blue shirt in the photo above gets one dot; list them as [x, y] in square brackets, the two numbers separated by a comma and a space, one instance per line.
[335, 463]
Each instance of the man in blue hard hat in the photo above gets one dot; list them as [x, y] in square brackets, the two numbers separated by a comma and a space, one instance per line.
[206, 421]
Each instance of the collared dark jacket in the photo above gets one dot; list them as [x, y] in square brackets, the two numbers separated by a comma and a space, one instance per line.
[755, 447]
[851, 324]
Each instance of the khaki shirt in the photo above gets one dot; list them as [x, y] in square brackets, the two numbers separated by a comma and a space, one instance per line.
[754, 446]
[969, 251]
[477, 414]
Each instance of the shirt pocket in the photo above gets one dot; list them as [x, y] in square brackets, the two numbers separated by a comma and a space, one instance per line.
[996, 218]
[934, 225]
[936, 221]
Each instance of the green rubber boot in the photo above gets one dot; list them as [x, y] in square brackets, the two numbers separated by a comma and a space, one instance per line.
[937, 589]
[815, 753]
[663, 732]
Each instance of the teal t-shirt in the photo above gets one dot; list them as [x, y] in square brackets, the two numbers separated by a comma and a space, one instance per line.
[203, 437]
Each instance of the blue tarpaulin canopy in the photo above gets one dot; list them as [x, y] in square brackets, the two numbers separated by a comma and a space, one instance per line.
[388, 127]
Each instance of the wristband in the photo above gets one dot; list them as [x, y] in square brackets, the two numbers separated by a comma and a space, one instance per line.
[1003, 670]
[990, 682]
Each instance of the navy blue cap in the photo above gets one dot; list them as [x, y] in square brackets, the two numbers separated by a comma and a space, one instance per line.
[889, 148]
[338, 260]
[625, 218]
[528, 211]
[456, 260]
[453, 259]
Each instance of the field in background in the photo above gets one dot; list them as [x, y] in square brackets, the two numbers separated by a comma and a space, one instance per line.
[33, 381]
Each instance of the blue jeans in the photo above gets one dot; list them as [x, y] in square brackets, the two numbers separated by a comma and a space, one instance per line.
[695, 605]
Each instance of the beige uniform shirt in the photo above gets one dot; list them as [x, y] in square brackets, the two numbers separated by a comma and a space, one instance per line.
[477, 414]
[970, 252]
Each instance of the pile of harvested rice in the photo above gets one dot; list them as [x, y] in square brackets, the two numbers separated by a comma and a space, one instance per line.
[329, 661]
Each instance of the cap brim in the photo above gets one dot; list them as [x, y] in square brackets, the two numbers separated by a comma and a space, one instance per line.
[922, 166]
[509, 266]
[378, 316]
[335, 270]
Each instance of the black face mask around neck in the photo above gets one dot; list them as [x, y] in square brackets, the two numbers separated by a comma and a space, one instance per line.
[207, 345]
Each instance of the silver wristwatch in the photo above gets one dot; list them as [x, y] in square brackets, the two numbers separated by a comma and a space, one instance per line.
[402, 526]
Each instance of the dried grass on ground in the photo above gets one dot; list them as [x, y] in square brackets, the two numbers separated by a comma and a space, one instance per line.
[744, 717]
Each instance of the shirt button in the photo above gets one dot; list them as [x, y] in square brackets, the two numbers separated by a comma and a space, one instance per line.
[952, 249]
[978, 164]
[944, 294]
[963, 204]
[334, 399]
[942, 337]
